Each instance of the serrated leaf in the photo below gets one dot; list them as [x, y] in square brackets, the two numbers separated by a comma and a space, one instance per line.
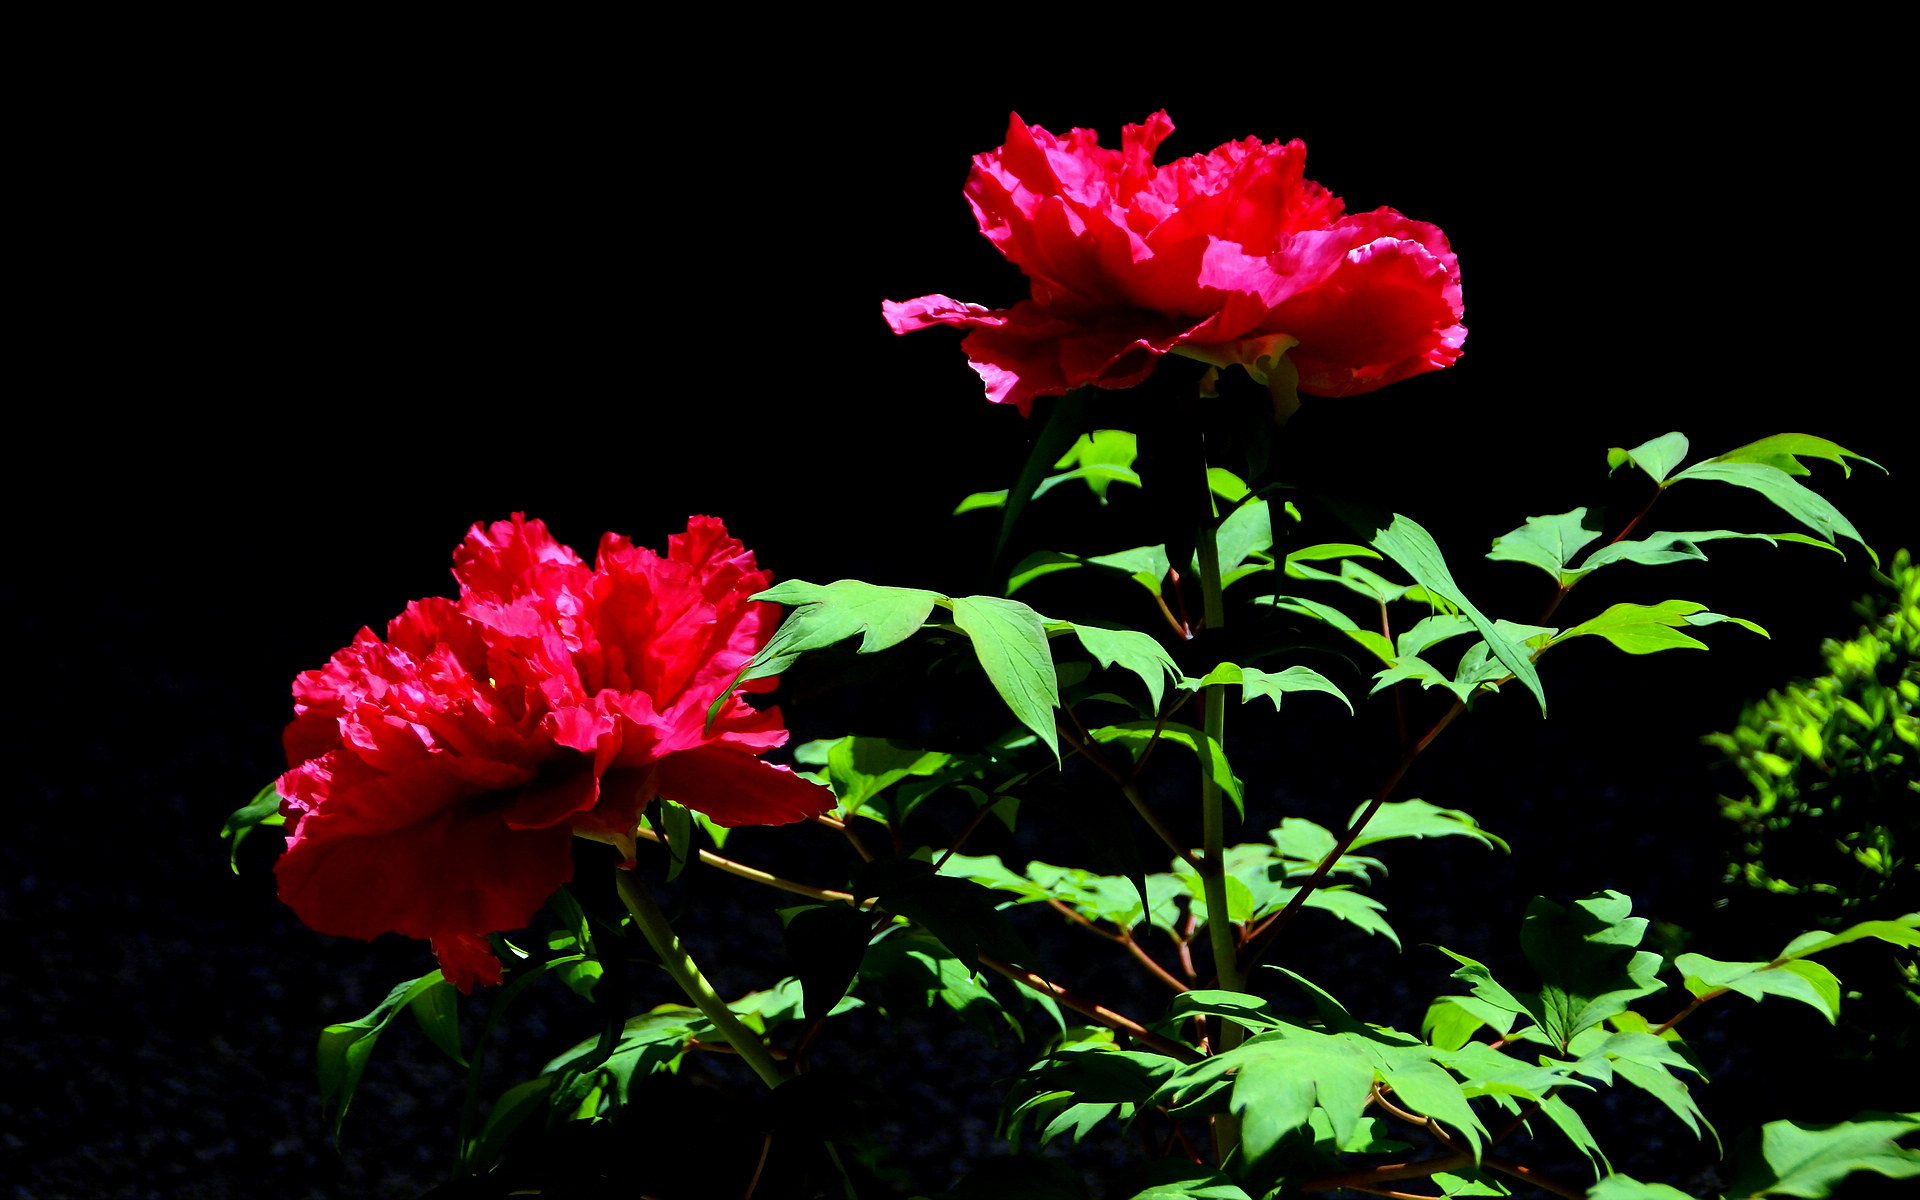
[1136, 735]
[1548, 542]
[1010, 641]
[824, 615]
[344, 1048]
[1792, 1159]
[1646, 629]
[1781, 452]
[1419, 819]
[1589, 969]
[1130, 650]
[1801, 503]
[1902, 931]
[1808, 982]
[1257, 684]
[263, 809]
[1412, 547]
[1657, 456]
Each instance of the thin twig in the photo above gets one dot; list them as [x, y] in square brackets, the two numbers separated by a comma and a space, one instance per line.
[1099, 1012]
[765, 1147]
[757, 875]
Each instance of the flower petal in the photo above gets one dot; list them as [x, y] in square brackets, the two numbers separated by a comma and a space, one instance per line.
[739, 789]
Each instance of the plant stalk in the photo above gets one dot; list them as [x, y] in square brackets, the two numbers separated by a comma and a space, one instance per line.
[680, 965]
[1213, 867]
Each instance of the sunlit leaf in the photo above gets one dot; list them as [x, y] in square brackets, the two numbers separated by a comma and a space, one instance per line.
[1646, 629]
[1793, 1159]
[1131, 650]
[1902, 931]
[1010, 641]
[1799, 502]
[1781, 452]
[1419, 819]
[1657, 457]
[263, 809]
[1548, 542]
[1808, 982]
[1271, 685]
[860, 768]
[1589, 968]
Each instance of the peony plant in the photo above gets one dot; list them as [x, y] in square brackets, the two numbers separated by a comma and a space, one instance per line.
[558, 735]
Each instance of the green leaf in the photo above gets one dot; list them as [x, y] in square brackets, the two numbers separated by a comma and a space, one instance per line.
[1419, 819]
[1131, 650]
[437, 1009]
[1371, 640]
[1623, 1187]
[1356, 908]
[1803, 504]
[1646, 629]
[1902, 931]
[979, 500]
[1179, 1179]
[860, 768]
[345, 1048]
[674, 824]
[912, 968]
[1100, 457]
[1256, 684]
[828, 614]
[1548, 542]
[1010, 640]
[1563, 1115]
[1810, 983]
[1589, 969]
[1137, 735]
[263, 809]
[1780, 451]
[508, 1113]
[963, 915]
[1452, 1020]
[1655, 1079]
[1657, 457]
[1663, 548]
[1406, 543]
[1476, 975]
[1060, 432]
[1792, 1159]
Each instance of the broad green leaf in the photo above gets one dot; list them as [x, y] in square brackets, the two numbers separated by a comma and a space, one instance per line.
[1808, 982]
[1010, 641]
[1657, 457]
[1137, 735]
[1781, 452]
[1132, 651]
[1281, 1080]
[1431, 631]
[1902, 931]
[1589, 969]
[1488, 1072]
[1793, 1159]
[1255, 684]
[1406, 543]
[827, 614]
[1623, 1187]
[860, 768]
[1801, 503]
[1247, 530]
[1646, 629]
[1452, 1020]
[1178, 1179]
[345, 1048]
[1548, 542]
[263, 809]
[1424, 1086]
[1419, 819]
[1080, 1088]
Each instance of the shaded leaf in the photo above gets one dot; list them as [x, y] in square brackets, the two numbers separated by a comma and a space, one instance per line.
[1589, 969]
[1131, 650]
[860, 768]
[344, 1048]
[963, 915]
[1136, 735]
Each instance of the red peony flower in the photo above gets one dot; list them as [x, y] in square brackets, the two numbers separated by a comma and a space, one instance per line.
[439, 776]
[1228, 257]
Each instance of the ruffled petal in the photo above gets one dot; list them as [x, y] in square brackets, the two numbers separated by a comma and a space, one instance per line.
[739, 789]
[467, 959]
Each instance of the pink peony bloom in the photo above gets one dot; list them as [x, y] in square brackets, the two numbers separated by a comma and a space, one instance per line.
[439, 776]
[1228, 257]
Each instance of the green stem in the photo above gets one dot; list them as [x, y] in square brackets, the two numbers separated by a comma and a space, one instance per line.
[1213, 873]
[680, 965]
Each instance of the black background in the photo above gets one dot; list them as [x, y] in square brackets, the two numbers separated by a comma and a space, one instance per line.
[302, 316]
